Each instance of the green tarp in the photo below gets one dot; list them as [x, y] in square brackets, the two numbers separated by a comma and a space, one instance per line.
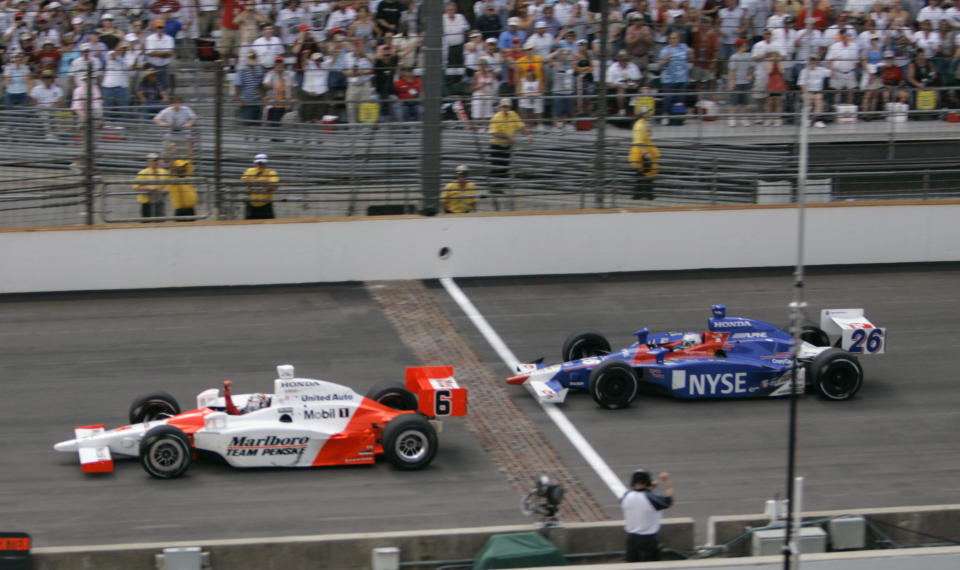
[519, 550]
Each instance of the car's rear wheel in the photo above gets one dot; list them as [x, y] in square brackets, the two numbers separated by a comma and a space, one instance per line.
[814, 335]
[583, 344]
[153, 406]
[393, 395]
[165, 452]
[614, 384]
[836, 374]
[409, 441]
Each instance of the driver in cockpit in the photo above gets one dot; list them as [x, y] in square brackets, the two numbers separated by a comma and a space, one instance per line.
[689, 339]
[254, 402]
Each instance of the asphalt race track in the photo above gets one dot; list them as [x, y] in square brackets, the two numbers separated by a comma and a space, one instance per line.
[69, 360]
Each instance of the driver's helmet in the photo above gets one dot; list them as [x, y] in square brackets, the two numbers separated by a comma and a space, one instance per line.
[256, 402]
[690, 339]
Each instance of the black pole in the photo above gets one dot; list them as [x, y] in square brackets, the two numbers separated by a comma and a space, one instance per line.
[432, 99]
[599, 160]
[218, 141]
[88, 145]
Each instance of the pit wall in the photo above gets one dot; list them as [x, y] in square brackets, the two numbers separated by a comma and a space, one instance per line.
[163, 255]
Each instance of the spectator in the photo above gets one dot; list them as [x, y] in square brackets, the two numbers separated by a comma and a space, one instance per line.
[761, 52]
[408, 88]
[48, 57]
[811, 81]
[98, 49]
[674, 73]
[44, 32]
[159, 48]
[512, 35]
[151, 94]
[314, 88]
[807, 42]
[528, 59]
[364, 29]
[492, 53]
[248, 87]
[509, 58]
[268, 47]
[638, 40]
[581, 22]
[110, 35]
[261, 185]
[279, 86]
[551, 24]
[489, 23]
[740, 80]
[459, 196]
[642, 515]
[564, 86]
[68, 54]
[384, 69]
[843, 56]
[541, 40]
[706, 50]
[583, 66]
[643, 156]
[116, 82]
[207, 19]
[504, 125]
[472, 50]
[340, 19]
[455, 25]
[623, 75]
[921, 75]
[289, 20]
[733, 26]
[359, 72]
[183, 196]
[926, 39]
[932, 13]
[179, 119]
[248, 23]
[871, 81]
[388, 16]
[151, 190]
[530, 97]
[484, 85]
[776, 87]
[45, 97]
[892, 76]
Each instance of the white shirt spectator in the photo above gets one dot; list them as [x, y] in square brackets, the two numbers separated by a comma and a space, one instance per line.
[929, 42]
[952, 15]
[618, 74]
[78, 69]
[453, 29]
[315, 76]
[353, 62]
[542, 44]
[562, 10]
[843, 58]
[341, 19]
[46, 96]
[813, 79]
[268, 49]
[158, 41]
[881, 20]
[863, 40]
[117, 71]
[932, 13]
[833, 31]
[807, 43]
[730, 21]
[289, 22]
[861, 7]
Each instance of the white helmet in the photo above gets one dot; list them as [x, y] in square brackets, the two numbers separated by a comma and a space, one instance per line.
[256, 402]
[690, 339]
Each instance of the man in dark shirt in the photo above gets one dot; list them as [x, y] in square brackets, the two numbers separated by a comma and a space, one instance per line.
[489, 23]
[388, 15]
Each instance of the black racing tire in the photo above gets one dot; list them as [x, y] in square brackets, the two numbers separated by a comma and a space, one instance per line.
[814, 335]
[153, 406]
[614, 384]
[394, 396]
[583, 344]
[409, 442]
[835, 374]
[165, 452]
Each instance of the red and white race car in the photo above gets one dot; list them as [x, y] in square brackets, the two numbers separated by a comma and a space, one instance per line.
[303, 423]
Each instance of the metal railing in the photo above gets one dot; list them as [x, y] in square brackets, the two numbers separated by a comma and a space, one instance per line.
[368, 168]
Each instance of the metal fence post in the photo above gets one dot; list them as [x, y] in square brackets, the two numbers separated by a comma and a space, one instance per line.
[218, 141]
[88, 163]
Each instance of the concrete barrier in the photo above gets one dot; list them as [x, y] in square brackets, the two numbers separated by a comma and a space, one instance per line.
[353, 551]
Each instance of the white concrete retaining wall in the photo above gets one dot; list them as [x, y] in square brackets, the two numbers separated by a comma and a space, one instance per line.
[137, 256]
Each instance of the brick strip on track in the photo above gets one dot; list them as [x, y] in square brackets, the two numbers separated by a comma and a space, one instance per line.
[513, 442]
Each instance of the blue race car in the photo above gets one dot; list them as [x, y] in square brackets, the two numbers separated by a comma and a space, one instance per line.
[735, 357]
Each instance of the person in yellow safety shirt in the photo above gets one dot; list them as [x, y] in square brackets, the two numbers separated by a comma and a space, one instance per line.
[504, 125]
[261, 182]
[459, 196]
[151, 195]
[643, 156]
[183, 197]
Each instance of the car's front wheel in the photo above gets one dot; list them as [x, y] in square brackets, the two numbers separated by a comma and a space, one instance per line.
[409, 441]
[583, 344]
[614, 384]
[153, 406]
[394, 396]
[836, 374]
[165, 452]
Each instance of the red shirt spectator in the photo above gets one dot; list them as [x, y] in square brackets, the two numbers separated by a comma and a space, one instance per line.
[407, 86]
[230, 9]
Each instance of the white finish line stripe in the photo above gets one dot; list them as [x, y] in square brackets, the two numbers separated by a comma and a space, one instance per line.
[553, 412]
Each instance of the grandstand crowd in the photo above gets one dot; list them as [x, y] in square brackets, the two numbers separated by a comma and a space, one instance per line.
[362, 61]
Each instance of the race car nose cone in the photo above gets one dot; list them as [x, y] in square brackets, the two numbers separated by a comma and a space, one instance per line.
[518, 380]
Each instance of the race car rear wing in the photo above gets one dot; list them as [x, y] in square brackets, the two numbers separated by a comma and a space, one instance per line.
[857, 334]
[438, 393]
